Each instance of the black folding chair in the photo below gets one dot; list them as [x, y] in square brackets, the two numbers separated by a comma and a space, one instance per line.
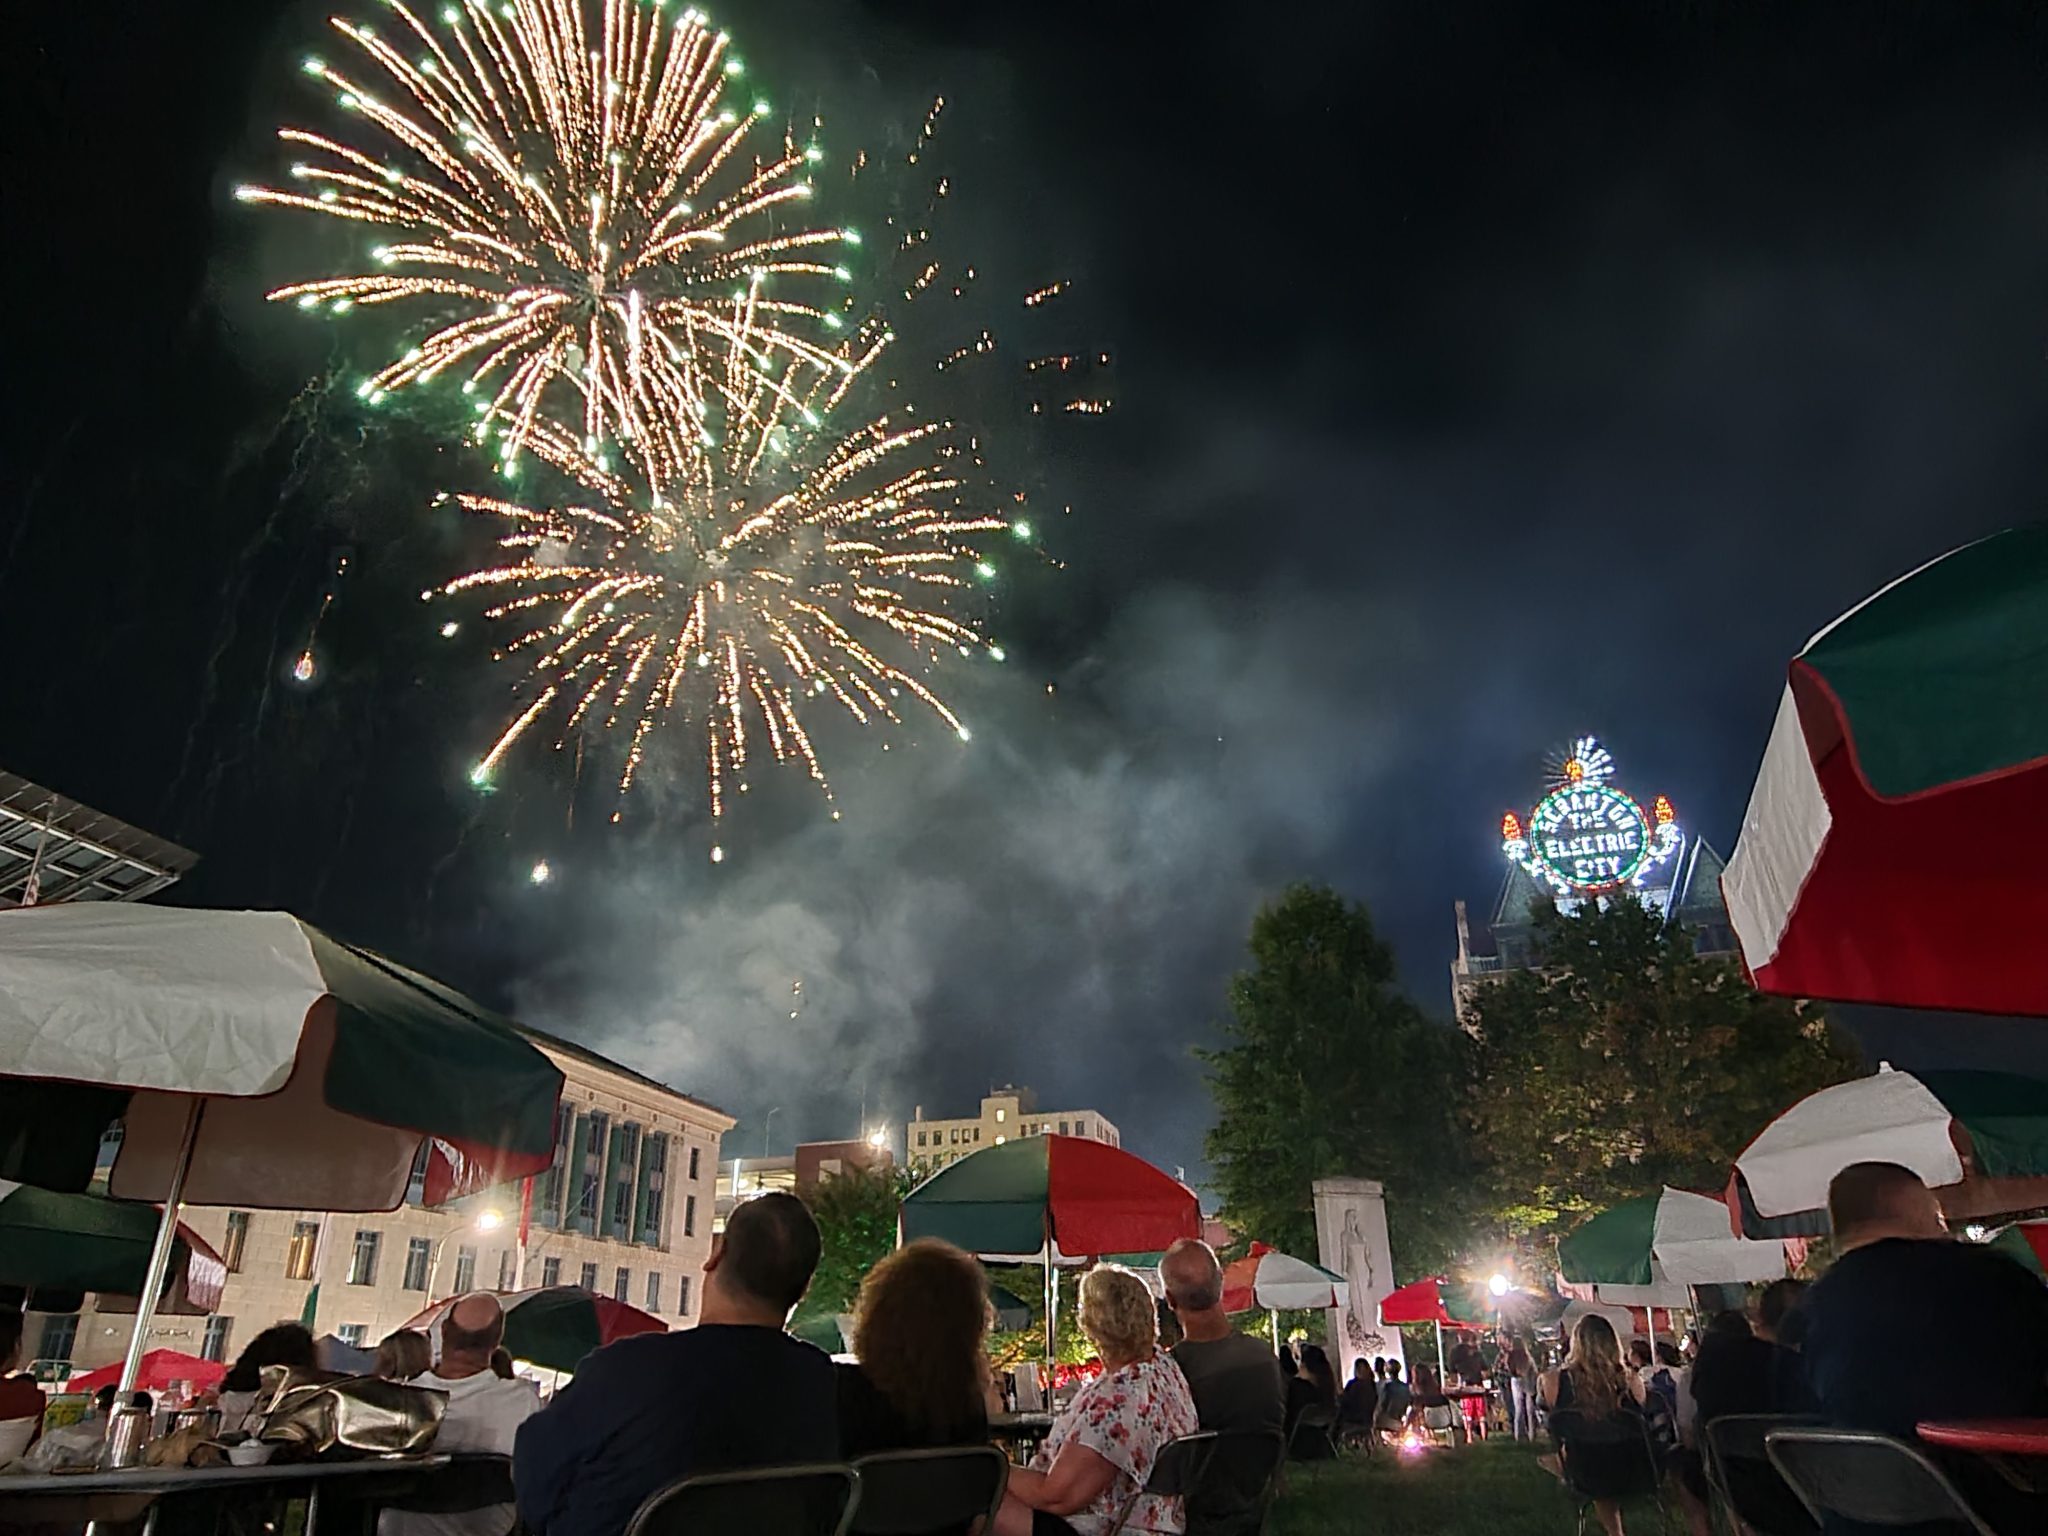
[1314, 1432]
[787, 1501]
[1610, 1458]
[1743, 1487]
[1224, 1480]
[930, 1493]
[1860, 1475]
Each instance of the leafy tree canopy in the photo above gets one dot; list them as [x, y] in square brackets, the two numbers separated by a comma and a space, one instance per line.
[1625, 1061]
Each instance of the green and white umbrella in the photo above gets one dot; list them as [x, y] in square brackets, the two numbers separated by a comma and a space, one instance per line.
[555, 1326]
[251, 1060]
[1887, 855]
[1979, 1140]
[1649, 1251]
[65, 1243]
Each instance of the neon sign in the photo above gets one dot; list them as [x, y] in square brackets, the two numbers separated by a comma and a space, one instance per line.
[1587, 836]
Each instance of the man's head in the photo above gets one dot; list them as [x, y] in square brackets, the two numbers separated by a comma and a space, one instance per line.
[1193, 1278]
[1868, 1202]
[1393, 1370]
[474, 1327]
[764, 1265]
[1776, 1306]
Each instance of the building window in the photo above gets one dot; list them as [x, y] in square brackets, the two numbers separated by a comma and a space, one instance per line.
[622, 1162]
[590, 1175]
[419, 1254]
[465, 1270]
[508, 1269]
[355, 1335]
[622, 1283]
[589, 1280]
[60, 1333]
[653, 1291]
[690, 1216]
[977, 1133]
[362, 1263]
[920, 1138]
[548, 1192]
[647, 1209]
[231, 1246]
[1063, 1127]
[416, 1181]
[215, 1345]
[298, 1254]
[682, 1295]
[1001, 1115]
[550, 1271]
[953, 1136]
[693, 1162]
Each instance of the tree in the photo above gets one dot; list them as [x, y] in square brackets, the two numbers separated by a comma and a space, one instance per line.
[1624, 1061]
[856, 1216]
[1328, 1070]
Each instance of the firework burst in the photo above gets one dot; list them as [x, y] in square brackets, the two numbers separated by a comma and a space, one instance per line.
[585, 223]
[803, 568]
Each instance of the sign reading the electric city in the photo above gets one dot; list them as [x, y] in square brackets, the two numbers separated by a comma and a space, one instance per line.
[1587, 836]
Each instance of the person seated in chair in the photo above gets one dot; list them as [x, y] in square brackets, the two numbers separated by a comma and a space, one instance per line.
[734, 1392]
[1313, 1391]
[483, 1415]
[922, 1377]
[1594, 1390]
[1235, 1378]
[1358, 1402]
[1396, 1398]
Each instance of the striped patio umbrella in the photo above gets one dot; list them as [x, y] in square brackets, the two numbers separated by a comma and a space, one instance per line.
[555, 1326]
[1280, 1282]
[1979, 1140]
[52, 1242]
[1887, 855]
[1051, 1200]
[1651, 1250]
[251, 1060]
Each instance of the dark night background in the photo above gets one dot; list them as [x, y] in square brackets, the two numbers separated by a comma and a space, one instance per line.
[1485, 374]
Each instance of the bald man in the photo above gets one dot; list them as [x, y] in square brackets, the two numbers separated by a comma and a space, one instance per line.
[1235, 1379]
[1907, 1325]
[484, 1413]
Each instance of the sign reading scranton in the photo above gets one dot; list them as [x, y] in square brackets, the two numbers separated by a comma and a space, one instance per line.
[1587, 836]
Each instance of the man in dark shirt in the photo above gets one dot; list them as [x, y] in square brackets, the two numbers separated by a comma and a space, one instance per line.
[1895, 1269]
[1234, 1378]
[735, 1391]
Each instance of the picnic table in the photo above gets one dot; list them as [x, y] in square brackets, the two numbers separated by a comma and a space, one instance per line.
[31, 1498]
[1988, 1437]
[1472, 1402]
[1020, 1431]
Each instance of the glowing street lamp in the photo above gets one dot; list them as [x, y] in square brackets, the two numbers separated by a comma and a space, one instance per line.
[486, 1221]
[1497, 1287]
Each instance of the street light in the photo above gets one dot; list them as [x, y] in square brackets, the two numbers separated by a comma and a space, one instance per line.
[878, 1139]
[1498, 1286]
[486, 1221]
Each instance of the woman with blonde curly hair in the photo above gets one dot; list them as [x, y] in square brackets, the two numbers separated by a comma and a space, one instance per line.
[918, 1331]
[1102, 1449]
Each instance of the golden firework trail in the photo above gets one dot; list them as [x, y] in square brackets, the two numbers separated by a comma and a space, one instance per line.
[802, 568]
[582, 219]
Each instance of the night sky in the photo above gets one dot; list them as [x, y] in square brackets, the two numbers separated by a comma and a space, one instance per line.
[1485, 374]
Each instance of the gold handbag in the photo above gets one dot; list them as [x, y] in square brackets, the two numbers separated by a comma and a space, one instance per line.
[315, 1414]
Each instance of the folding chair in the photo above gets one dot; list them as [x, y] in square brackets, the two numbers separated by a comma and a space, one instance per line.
[788, 1501]
[1233, 1485]
[1610, 1458]
[1443, 1422]
[1742, 1485]
[1860, 1475]
[469, 1483]
[1314, 1427]
[925, 1493]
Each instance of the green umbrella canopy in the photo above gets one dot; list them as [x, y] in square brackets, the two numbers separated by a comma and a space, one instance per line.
[321, 1070]
[52, 1242]
[1091, 1199]
[556, 1326]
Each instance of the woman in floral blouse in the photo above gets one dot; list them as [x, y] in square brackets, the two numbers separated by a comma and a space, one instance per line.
[1103, 1447]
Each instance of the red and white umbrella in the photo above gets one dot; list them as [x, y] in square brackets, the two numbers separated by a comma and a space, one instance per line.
[1279, 1282]
[555, 1325]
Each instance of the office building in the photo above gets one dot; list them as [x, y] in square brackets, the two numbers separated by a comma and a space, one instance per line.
[1006, 1113]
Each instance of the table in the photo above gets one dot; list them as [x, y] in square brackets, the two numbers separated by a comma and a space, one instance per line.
[39, 1496]
[1988, 1437]
[1024, 1430]
[1471, 1402]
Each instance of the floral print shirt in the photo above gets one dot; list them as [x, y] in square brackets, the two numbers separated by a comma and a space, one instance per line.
[1125, 1416]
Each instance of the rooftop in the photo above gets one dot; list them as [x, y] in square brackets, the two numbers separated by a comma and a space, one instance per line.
[71, 852]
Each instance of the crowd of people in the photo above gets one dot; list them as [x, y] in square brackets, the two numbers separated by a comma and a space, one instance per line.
[1892, 1336]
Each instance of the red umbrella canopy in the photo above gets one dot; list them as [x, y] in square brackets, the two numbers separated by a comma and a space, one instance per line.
[1089, 1197]
[1420, 1301]
[161, 1368]
[1887, 854]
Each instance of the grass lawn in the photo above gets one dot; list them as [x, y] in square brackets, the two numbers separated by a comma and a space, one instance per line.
[1490, 1489]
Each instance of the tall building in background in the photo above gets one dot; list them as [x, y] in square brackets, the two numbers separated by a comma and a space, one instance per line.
[53, 849]
[625, 1211]
[1587, 840]
[799, 1172]
[1006, 1113]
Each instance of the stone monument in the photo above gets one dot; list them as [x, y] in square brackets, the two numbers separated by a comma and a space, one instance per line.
[1351, 1236]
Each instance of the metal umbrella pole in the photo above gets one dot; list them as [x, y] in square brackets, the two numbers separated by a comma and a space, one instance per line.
[160, 1254]
[1052, 1302]
[1439, 1349]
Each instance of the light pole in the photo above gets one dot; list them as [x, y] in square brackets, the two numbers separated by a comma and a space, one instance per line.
[766, 1121]
[486, 1221]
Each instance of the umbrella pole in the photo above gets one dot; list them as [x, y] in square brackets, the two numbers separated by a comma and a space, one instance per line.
[1439, 1349]
[1052, 1301]
[1273, 1316]
[160, 1255]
